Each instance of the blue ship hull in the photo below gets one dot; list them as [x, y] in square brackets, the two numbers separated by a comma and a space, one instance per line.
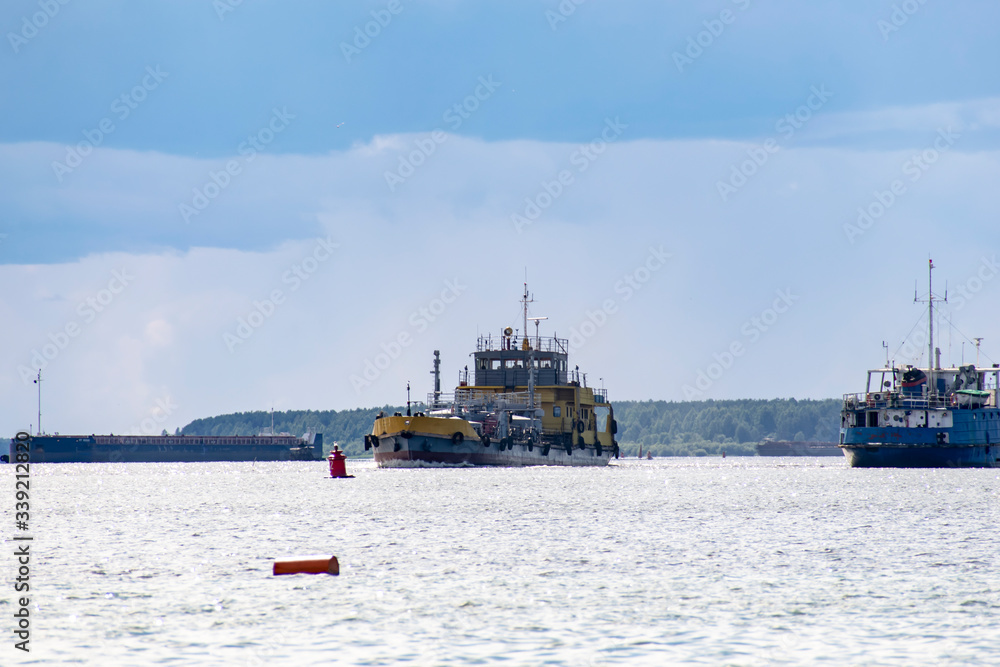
[966, 444]
[158, 449]
[921, 456]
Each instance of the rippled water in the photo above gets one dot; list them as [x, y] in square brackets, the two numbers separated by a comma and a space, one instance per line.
[743, 561]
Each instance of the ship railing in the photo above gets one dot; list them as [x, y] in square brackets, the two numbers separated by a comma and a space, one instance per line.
[479, 398]
[879, 400]
[539, 343]
[198, 440]
[436, 401]
[440, 400]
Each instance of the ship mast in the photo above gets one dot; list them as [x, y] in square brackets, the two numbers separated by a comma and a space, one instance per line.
[525, 301]
[38, 381]
[932, 385]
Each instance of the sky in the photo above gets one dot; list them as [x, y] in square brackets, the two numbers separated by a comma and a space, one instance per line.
[212, 207]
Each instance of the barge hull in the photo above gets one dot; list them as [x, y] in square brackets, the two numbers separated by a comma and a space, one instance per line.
[167, 449]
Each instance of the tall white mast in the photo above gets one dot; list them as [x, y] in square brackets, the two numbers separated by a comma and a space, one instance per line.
[931, 365]
[525, 301]
[930, 325]
[932, 385]
[38, 381]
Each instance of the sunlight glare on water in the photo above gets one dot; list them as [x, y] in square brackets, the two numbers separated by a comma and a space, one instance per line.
[743, 561]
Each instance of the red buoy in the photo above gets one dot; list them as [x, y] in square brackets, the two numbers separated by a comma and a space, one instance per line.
[307, 565]
[338, 463]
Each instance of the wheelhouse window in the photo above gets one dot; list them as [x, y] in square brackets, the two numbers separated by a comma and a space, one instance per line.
[602, 412]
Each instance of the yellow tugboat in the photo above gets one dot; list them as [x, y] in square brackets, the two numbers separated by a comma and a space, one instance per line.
[525, 407]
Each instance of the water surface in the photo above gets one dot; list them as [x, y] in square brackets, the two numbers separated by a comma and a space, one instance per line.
[742, 561]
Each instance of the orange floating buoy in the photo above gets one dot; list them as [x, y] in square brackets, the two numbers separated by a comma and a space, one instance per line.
[307, 565]
[338, 463]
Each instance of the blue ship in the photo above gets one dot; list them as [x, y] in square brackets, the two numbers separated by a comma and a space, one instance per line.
[933, 417]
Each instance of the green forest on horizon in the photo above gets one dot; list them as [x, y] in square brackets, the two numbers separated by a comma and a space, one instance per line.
[663, 428]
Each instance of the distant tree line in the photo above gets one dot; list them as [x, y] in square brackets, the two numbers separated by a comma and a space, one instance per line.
[699, 428]
[346, 427]
[688, 428]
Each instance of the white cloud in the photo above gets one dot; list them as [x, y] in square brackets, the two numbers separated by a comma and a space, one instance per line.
[905, 126]
[163, 335]
[159, 333]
